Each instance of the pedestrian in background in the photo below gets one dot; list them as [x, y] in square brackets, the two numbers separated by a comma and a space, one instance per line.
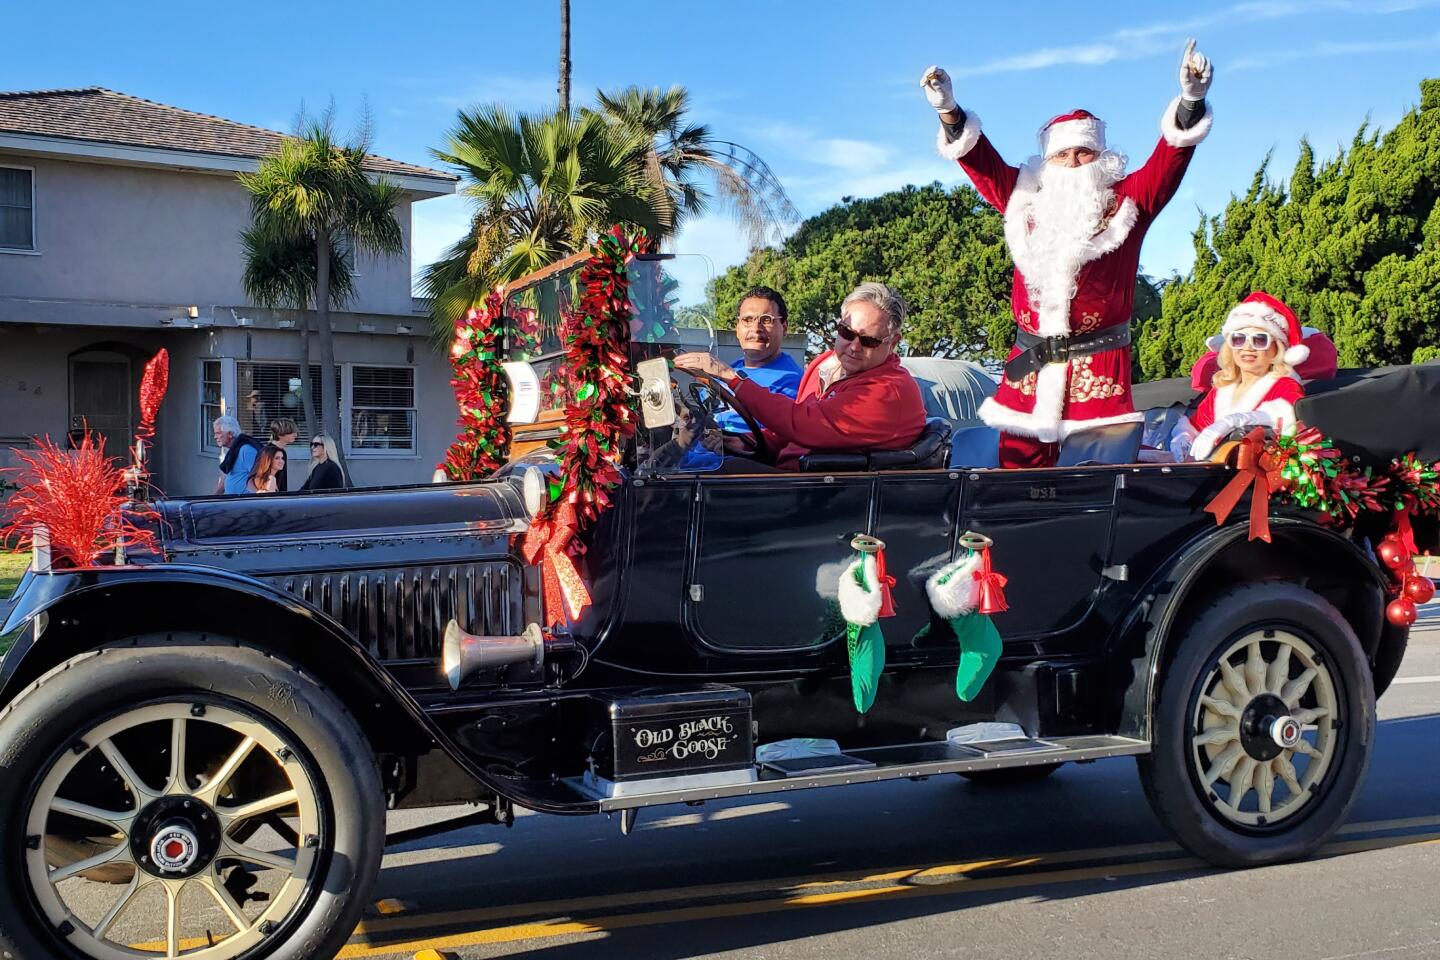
[267, 465]
[238, 451]
[325, 471]
[283, 432]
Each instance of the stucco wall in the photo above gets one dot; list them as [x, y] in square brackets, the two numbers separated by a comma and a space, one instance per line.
[35, 394]
[149, 236]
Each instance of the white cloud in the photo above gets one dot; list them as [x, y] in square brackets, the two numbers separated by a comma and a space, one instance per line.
[1332, 48]
[858, 156]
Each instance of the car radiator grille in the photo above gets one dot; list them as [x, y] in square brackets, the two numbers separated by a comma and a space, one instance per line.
[400, 613]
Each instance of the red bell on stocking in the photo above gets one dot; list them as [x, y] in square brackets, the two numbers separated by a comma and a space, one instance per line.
[1392, 553]
[1401, 612]
[1419, 589]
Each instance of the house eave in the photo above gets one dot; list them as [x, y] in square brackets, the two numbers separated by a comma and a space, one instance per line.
[186, 161]
[39, 311]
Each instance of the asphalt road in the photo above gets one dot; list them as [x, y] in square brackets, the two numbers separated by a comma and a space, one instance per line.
[1075, 866]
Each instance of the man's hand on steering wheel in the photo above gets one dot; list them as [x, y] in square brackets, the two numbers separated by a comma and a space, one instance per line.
[720, 379]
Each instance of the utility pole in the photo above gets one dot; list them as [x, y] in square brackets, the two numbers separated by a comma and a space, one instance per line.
[565, 57]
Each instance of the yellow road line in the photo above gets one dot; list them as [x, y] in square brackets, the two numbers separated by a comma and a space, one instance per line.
[571, 905]
[963, 885]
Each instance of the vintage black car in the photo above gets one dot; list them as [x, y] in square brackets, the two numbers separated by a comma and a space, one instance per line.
[221, 726]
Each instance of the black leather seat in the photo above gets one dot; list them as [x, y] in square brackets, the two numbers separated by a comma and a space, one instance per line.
[1116, 443]
[930, 450]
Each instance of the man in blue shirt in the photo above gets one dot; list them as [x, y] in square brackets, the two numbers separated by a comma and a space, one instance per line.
[237, 455]
[760, 330]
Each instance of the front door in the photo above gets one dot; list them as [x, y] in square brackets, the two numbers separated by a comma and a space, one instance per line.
[100, 398]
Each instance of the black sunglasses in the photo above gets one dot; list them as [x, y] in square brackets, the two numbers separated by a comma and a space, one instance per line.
[317, 443]
[848, 333]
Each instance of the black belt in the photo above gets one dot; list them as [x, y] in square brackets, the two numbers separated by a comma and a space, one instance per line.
[1038, 350]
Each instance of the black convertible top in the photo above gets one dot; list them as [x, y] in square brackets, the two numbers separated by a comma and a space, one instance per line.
[1376, 413]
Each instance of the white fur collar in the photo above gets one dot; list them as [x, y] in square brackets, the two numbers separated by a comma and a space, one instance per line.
[1227, 402]
[1054, 276]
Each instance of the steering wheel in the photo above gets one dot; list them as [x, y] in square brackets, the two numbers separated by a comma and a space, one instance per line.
[718, 388]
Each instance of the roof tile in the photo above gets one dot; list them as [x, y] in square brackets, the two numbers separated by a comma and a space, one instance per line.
[105, 116]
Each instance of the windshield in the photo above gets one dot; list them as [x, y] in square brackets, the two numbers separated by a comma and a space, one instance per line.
[669, 315]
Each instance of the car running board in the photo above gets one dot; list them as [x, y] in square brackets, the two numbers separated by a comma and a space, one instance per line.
[913, 761]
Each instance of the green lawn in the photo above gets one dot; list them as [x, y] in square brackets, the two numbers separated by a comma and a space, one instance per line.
[12, 565]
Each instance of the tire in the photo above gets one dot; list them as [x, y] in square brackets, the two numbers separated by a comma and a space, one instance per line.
[1011, 776]
[1262, 630]
[1387, 663]
[104, 717]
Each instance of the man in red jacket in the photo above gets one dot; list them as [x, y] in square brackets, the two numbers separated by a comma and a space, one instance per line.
[853, 398]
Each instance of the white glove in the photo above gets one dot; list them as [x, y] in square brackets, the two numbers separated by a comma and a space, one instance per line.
[936, 84]
[1180, 446]
[1195, 73]
[1205, 443]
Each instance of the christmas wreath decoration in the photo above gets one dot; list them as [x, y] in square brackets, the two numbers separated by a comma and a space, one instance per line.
[1306, 469]
[482, 392]
[598, 418]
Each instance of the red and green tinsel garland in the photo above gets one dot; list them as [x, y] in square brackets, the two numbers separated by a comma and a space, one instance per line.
[482, 392]
[598, 418]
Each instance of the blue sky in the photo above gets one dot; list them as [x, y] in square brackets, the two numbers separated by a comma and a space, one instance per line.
[826, 92]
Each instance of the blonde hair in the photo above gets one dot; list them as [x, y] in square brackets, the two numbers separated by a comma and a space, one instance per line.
[1229, 371]
[330, 452]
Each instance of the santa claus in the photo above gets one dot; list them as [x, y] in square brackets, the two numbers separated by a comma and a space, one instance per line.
[1074, 222]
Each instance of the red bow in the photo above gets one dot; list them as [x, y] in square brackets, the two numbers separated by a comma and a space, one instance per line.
[548, 540]
[1405, 532]
[992, 586]
[1251, 466]
[886, 584]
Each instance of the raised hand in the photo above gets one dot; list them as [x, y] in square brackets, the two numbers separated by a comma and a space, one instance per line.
[1195, 73]
[936, 84]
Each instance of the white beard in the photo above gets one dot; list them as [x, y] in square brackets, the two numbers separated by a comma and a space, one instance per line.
[1059, 219]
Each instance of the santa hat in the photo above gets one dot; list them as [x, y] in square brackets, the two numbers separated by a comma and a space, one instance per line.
[1078, 128]
[1263, 312]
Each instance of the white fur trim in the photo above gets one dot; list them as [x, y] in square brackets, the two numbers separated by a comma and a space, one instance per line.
[1043, 423]
[857, 604]
[1069, 428]
[969, 136]
[953, 589]
[1297, 354]
[1227, 402]
[1054, 277]
[1071, 133]
[1178, 138]
[1280, 412]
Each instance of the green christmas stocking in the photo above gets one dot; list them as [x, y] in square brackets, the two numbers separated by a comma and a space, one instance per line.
[861, 598]
[956, 595]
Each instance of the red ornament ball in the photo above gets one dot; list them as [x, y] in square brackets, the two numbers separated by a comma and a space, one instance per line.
[1393, 554]
[1419, 589]
[1401, 612]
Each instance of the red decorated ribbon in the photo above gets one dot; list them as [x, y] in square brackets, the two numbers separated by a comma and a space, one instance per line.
[992, 586]
[548, 541]
[1252, 468]
[1405, 532]
[886, 584]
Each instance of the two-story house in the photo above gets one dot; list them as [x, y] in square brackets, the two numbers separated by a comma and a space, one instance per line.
[120, 225]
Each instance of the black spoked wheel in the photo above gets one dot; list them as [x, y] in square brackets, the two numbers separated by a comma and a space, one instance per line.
[206, 802]
[1263, 727]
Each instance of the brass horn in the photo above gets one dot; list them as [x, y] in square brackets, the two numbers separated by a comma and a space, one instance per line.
[464, 653]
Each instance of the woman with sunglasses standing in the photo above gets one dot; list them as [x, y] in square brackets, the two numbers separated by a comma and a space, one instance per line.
[325, 472]
[1255, 386]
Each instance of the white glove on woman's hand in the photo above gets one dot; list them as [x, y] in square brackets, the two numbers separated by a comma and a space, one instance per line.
[1195, 73]
[936, 84]
[1205, 443]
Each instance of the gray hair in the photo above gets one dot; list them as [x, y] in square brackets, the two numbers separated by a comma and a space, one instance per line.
[881, 296]
[228, 424]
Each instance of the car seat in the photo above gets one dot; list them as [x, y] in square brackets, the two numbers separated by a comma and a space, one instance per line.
[1115, 443]
[929, 451]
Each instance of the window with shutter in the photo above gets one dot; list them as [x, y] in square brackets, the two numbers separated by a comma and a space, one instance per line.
[17, 208]
[382, 409]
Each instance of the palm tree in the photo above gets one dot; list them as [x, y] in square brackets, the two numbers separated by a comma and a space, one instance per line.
[689, 168]
[564, 87]
[544, 186]
[312, 206]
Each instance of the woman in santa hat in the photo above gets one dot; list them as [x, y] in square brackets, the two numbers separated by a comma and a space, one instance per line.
[1255, 386]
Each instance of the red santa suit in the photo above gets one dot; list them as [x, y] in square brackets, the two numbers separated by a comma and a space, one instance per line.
[1090, 288]
[876, 409]
[1272, 394]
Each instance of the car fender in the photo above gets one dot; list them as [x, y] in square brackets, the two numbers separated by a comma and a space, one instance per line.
[58, 615]
[1144, 638]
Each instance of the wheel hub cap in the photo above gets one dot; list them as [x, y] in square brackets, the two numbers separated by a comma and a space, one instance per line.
[175, 837]
[1267, 728]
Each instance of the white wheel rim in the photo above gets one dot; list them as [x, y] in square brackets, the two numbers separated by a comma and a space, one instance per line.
[243, 926]
[1241, 788]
